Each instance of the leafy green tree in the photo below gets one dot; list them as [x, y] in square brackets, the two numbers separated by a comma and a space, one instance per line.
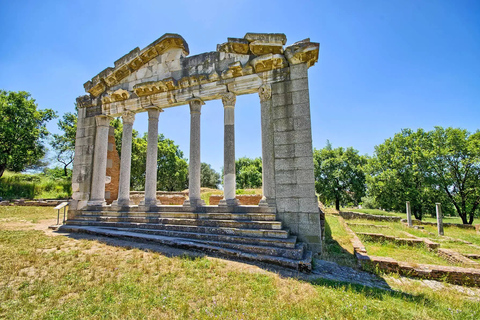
[451, 158]
[209, 178]
[172, 167]
[64, 144]
[22, 130]
[339, 174]
[396, 174]
[248, 173]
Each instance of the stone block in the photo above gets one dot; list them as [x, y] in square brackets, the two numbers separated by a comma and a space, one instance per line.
[287, 205]
[297, 85]
[284, 164]
[284, 124]
[280, 112]
[279, 87]
[285, 177]
[300, 97]
[285, 151]
[298, 71]
[310, 229]
[301, 110]
[110, 147]
[285, 191]
[303, 163]
[305, 176]
[302, 123]
[303, 136]
[308, 205]
[282, 99]
[285, 137]
[303, 150]
[109, 163]
[80, 133]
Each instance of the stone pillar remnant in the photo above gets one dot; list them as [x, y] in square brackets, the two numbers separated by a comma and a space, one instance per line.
[268, 156]
[409, 214]
[438, 207]
[100, 161]
[194, 161]
[152, 152]
[126, 159]
[229, 178]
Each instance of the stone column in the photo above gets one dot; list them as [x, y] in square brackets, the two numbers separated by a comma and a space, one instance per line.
[152, 152]
[268, 155]
[97, 197]
[126, 160]
[438, 208]
[409, 214]
[229, 179]
[194, 162]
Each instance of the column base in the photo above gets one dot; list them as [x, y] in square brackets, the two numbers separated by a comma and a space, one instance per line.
[228, 203]
[121, 203]
[267, 203]
[97, 203]
[194, 203]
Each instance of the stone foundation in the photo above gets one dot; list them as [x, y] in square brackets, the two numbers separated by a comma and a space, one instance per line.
[359, 215]
[243, 199]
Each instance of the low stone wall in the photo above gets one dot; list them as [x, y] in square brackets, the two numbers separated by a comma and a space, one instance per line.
[358, 215]
[401, 241]
[458, 225]
[456, 275]
[33, 203]
[243, 199]
[456, 257]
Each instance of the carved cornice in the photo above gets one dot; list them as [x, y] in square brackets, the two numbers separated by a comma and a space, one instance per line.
[133, 61]
[229, 99]
[303, 52]
[265, 92]
[118, 95]
[269, 62]
[85, 101]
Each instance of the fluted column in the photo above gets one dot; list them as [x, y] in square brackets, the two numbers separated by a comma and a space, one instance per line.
[268, 154]
[229, 180]
[126, 160]
[152, 152]
[194, 162]
[97, 196]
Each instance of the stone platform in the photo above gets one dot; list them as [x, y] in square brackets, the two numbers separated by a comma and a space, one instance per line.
[246, 232]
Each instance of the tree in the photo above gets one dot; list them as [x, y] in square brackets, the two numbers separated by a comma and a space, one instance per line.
[209, 178]
[64, 144]
[339, 175]
[172, 167]
[451, 158]
[396, 174]
[248, 173]
[22, 130]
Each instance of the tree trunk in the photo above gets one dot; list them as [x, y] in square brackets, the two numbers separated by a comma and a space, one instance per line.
[463, 216]
[337, 204]
[65, 172]
[2, 170]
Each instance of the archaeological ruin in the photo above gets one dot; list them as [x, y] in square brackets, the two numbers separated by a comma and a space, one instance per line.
[285, 227]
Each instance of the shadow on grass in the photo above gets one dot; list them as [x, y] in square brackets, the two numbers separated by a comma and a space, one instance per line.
[333, 251]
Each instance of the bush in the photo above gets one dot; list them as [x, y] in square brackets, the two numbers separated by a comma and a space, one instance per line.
[34, 186]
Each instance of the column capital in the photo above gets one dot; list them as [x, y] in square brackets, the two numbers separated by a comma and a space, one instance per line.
[195, 105]
[265, 92]
[102, 121]
[153, 112]
[229, 99]
[128, 117]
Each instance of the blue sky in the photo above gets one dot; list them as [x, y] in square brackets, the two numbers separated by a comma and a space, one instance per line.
[383, 65]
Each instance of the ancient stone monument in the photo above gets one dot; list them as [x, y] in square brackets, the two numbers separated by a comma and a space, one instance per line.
[162, 76]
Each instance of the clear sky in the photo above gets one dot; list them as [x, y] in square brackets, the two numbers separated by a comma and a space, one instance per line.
[383, 65]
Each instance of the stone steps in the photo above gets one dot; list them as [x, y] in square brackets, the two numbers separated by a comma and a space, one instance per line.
[254, 233]
[187, 215]
[298, 258]
[151, 219]
[289, 242]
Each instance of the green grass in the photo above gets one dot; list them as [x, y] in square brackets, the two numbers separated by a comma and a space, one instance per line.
[404, 253]
[31, 214]
[45, 277]
[34, 186]
[337, 246]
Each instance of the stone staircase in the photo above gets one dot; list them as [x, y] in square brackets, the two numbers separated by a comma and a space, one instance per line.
[245, 232]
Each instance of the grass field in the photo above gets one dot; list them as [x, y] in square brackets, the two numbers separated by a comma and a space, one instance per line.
[57, 277]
